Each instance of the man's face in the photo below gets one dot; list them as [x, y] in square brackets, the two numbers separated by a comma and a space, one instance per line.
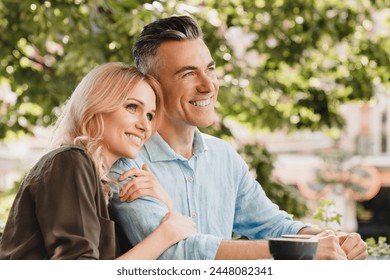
[186, 72]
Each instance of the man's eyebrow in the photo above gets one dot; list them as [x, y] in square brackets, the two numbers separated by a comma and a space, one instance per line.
[212, 63]
[191, 67]
[186, 68]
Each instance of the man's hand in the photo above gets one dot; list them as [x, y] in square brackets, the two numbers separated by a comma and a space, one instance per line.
[329, 247]
[353, 246]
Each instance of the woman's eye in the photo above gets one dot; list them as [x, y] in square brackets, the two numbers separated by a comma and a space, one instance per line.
[150, 116]
[132, 107]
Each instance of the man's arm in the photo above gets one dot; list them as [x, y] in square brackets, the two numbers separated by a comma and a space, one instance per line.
[243, 250]
[141, 217]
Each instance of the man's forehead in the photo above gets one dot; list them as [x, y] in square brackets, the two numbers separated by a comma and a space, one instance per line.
[184, 53]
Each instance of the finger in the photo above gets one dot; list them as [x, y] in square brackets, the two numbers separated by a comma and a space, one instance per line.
[145, 167]
[330, 249]
[342, 238]
[323, 234]
[126, 187]
[358, 253]
[131, 187]
[133, 183]
[354, 246]
[136, 192]
[135, 172]
[362, 256]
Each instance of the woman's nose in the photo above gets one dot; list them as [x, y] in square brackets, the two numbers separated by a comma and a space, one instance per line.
[143, 123]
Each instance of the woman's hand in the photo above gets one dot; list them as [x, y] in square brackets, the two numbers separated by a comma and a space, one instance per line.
[143, 183]
[177, 227]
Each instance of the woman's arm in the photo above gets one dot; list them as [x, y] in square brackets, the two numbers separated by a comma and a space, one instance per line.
[143, 183]
[173, 228]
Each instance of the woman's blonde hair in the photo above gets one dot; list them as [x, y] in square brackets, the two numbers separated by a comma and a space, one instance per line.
[102, 90]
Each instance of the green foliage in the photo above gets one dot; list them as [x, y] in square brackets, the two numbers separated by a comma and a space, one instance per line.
[313, 56]
[287, 197]
[296, 64]
[380, 248]
[303, 60]
[327, 214]
[6, 200]
[51, 45]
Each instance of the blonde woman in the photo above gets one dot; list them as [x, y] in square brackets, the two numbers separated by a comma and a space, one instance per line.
[60, 211]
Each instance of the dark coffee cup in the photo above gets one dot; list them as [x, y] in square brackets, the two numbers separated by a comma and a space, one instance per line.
[292, 249]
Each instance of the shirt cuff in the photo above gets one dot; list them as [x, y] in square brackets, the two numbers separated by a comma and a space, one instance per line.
[204, 247]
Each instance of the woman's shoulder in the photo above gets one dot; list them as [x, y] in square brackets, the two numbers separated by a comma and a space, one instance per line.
[64, 157]
[64, 152]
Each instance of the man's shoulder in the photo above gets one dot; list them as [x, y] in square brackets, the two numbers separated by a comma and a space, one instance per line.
[213, 142]
[124, 164]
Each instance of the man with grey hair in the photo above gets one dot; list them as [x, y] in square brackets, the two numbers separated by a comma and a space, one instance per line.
[204, 176]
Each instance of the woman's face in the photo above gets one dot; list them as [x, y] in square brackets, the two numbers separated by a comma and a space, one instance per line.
[127, 129]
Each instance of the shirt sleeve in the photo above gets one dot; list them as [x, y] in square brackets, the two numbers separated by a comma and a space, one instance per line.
[140, 217]
[66, 209]
[256, 216]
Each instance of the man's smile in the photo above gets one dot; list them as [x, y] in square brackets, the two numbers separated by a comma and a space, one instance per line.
[201, 103]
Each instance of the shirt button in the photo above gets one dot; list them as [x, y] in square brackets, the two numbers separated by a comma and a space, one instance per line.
[193, 215]
[190, 179]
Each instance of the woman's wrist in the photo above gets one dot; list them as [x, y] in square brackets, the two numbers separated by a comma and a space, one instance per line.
[165, 231]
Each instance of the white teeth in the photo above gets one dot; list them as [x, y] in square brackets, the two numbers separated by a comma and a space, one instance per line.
[202, 103]
[135, 138]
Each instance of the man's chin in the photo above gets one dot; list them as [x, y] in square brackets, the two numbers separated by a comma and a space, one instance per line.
[205, 124]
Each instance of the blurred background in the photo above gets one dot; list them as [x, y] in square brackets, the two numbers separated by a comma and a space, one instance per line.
[304, 97]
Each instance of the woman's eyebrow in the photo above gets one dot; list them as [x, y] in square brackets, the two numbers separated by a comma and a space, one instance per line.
[140, 102]
[134, 99]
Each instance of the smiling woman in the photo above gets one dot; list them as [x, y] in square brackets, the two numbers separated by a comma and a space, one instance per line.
[127, 128]
[60, 211]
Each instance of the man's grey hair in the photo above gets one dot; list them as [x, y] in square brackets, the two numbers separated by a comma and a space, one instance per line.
[176, 28]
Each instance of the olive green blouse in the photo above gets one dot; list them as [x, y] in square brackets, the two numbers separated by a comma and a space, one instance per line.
[60, 211]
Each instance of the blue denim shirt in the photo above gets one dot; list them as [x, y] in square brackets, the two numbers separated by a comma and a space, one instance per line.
[214, 187]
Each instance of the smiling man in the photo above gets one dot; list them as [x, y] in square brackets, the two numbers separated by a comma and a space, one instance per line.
[204, 175]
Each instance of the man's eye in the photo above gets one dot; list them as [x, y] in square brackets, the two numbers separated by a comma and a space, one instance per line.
[211, 68]
[150, 116]
[189, 74]
[132, 107]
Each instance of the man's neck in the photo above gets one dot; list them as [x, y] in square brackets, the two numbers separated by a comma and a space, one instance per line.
[179, 139]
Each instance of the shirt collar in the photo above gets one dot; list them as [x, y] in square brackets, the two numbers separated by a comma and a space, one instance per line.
[159, 150]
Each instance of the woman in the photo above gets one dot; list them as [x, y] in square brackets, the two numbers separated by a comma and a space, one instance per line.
[60, 211]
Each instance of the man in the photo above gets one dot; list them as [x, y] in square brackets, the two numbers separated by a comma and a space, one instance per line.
[203, 175]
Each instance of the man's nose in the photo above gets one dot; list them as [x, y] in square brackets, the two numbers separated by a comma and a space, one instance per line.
[206, 84]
